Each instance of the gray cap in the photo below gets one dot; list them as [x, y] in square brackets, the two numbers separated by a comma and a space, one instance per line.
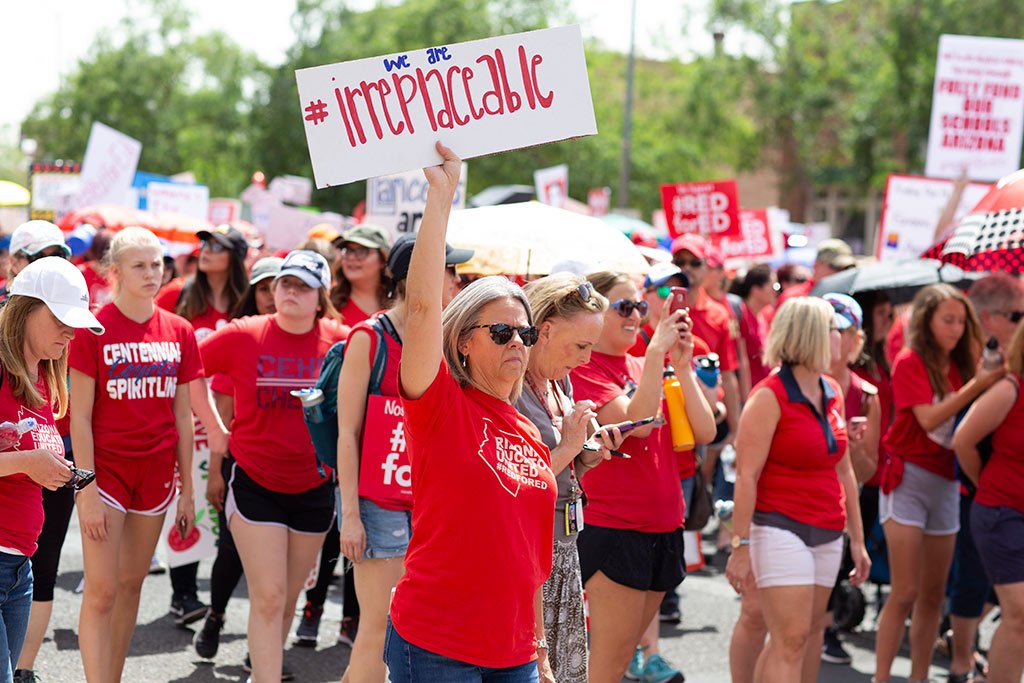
[268, 266]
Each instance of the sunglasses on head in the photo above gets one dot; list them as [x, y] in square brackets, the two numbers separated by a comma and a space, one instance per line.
[212, 245]
[502, 333]
[625, 307]
[80, 479]
[586, 291]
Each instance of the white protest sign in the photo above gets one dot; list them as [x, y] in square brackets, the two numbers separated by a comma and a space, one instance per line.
[189, 200]
[552, 185]
[287, 226]
[111, 158]
[396, 202]
[292, 189]
[977, 108]
[911, 210]
[224, 210]
[201, 543]
[383, 115]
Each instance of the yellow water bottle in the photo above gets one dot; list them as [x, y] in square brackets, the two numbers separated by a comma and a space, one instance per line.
[682, 432]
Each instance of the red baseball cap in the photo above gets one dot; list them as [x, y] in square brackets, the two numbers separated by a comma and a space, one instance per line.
[714, 257]
[691, 242]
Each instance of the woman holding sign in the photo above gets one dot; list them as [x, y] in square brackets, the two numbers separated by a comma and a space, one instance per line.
[279, 505]
[373, 465]
[132, 423]
[483, 489]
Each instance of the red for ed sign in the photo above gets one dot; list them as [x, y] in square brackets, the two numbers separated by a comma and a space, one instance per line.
[708, 208]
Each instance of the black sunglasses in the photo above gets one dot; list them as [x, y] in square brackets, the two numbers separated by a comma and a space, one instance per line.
[1014, 316]
[80, 479]
[693, 263]
[501, 333]
[625, 307]
[212, 245]
[35, 257]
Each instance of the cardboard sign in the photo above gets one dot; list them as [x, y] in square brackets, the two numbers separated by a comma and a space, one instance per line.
[49, 184]
[224, 210]
[287, 227]
[760, 237]
[292, 189]
[552, 185]
[385, 475]
[396, 202]
[977, 108]
[910, 211]
[189, 200]
[382, 115]
[708, 208]
[108, 168]
[201, 544]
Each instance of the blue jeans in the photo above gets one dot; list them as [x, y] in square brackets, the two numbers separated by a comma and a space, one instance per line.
[15, 603]
[410, 664]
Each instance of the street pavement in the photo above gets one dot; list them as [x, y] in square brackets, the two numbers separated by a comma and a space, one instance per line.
[162, 653]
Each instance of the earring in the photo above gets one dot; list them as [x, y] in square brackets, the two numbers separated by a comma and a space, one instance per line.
[463, 360]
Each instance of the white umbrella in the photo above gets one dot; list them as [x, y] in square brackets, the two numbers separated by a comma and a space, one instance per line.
[530, 238]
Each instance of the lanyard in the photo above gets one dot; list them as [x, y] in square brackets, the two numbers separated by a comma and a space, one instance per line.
[556, 393]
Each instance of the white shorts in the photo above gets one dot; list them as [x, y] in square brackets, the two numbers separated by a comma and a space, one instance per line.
[780, 558]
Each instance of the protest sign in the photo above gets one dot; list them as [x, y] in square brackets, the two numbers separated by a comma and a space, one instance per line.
[396, 202]
[292, 189]
[383, 115]
[385, 475]
[599, 199]
[287, 226]
[760, 238]
[977, 108]
[224, 210]
[552, 185]
[709, 208]
[189, 200]
[108, 168]
[49, 183]
[911, 210]
[201, 543]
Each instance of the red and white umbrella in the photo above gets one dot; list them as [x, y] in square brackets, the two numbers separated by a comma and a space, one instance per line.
[991, 236]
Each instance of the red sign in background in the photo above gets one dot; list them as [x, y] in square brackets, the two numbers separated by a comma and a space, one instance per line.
[755, 240]
[708, 208]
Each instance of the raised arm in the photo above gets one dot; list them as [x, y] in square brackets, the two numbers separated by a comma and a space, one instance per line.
[421, 352]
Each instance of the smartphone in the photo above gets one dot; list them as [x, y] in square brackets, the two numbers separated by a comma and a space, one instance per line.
[677, 296]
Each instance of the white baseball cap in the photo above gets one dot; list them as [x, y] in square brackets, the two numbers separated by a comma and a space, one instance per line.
[308, 266]
[61, 286]
[34, 236]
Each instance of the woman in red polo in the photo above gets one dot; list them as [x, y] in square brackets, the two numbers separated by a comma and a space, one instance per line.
[795, 486]
[482, 485]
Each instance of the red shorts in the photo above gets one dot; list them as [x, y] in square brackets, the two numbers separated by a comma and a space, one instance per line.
[143, 486]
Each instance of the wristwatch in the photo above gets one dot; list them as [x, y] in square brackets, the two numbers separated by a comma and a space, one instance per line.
[542, 643]
[738, 541]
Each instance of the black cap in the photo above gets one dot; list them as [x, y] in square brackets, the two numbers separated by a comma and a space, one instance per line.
[228, 236]
[401, 255]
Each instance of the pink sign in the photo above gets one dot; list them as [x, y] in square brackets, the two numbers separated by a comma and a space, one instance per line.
[756, 239]
[708, 208]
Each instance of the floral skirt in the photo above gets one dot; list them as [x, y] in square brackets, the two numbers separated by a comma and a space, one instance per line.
[565, 616]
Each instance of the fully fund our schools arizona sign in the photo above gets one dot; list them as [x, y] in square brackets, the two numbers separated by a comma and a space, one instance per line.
[383, 115]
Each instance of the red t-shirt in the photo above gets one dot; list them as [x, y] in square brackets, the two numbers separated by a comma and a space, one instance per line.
[269, 438]
[1002, 479]
[352, 314]
[101, 292]
[905, 438]
[640, 347]
[137, 368]
[209, 322]
[21, 499]
[754, 332]
[797, 290]
[711, 322]
[643, 492]
[884, 385]
[482, 517]
[799, 476]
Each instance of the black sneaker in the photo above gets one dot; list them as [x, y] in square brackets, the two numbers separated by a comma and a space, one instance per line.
[25, 676]
[832, 650]
[286, 673]
[349, 628]
[207, 639]
[187, 610]
[309, 625]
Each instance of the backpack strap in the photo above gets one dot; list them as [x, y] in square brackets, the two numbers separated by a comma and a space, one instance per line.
[382, 326]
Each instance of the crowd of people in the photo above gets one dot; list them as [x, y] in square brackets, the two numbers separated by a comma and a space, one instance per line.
[543, 445]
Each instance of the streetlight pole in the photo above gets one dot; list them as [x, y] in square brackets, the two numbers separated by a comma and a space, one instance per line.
[627, 118]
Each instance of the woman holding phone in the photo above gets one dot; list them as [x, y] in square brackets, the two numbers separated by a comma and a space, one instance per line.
[631, 548]
[131, 421]
[482, 486]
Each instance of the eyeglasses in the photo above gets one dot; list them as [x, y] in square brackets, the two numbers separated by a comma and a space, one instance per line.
[80, 479]
[359, 253]
[625, 307]
[692, 263]
[214, 246]
[1013, 316]
[586, 291]
[501, 333]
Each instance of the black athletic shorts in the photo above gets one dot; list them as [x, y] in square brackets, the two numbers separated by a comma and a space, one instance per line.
[636, 559]
[308, 512]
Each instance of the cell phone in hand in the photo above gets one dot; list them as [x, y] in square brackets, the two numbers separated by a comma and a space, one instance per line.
[677, 299]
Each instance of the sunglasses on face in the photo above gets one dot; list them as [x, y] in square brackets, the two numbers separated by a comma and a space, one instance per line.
[43, 254]
[1013, 316]
[359, 253]
[625, 307]
[80, 479]
[691, 263]
[502, 333]
[213, 246]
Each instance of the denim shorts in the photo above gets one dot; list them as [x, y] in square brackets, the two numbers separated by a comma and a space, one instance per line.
[387, 531]
[924, 500]
[999, 536]
[408, 663]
